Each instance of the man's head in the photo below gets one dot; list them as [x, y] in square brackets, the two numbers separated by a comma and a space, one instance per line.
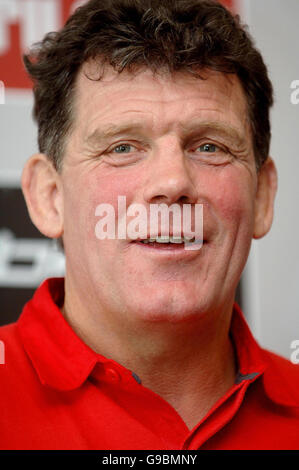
[186, 121]
[175, 35]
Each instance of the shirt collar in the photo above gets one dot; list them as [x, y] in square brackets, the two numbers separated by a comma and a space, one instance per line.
[63, 361]
[277, 372]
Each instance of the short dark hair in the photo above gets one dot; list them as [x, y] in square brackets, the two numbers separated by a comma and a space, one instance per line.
[179, 35]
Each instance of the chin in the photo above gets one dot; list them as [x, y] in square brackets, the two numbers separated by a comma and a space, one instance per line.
[170, 309]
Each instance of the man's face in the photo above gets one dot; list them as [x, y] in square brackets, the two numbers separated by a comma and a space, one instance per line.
[144, 137]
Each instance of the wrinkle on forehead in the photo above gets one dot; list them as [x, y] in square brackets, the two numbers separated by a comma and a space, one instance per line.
[97, 101]
[109, 78]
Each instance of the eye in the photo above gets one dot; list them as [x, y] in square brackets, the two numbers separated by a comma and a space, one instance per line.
[123, 148]
[123, 153]
[208, 148]
[212, 154]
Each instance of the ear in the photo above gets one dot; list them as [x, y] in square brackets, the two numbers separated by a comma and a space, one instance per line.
[264, 199]
[42, 190]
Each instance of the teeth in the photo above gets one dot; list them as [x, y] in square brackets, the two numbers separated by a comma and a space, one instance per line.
[166, 239]
[161, 239]
[176, 240]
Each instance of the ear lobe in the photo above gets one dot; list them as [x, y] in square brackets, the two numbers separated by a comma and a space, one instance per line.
[43, 194]
[264, 200]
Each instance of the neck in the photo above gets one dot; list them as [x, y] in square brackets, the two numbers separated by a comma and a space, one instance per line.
[190, 363]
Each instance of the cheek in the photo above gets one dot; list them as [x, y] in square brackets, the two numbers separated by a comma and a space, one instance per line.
[231, 196]
[99, 187]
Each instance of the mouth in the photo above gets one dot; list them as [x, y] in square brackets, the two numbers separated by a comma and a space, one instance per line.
[169, 243]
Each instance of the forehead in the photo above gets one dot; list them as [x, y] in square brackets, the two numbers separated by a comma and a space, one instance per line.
[161, 99]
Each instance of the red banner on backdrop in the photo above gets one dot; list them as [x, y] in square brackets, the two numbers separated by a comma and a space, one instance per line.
[23, 22]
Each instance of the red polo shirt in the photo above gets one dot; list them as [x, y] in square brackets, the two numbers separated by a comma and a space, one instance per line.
[56, 393]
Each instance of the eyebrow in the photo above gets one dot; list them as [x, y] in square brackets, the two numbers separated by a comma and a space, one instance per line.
[194, 127]
[221, 128]
[113, 130]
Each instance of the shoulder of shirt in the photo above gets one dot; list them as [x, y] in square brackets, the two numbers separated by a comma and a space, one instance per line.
[14, 357]
[9, 335]
[281, 379]
[282, 364]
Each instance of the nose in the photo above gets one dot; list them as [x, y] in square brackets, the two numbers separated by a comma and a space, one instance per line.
[169, 178]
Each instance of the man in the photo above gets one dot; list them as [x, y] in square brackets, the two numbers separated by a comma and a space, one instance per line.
[141, 346]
